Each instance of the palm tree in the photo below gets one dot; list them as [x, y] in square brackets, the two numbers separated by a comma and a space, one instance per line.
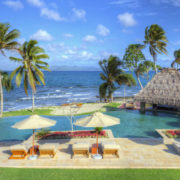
[5, 82]
[32, 64]
[157, 41]
[112, 75]
[7, 42]
[133, 59]
[143, 70]
[177, 59]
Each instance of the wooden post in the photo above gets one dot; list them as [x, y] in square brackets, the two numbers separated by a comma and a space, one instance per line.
[97, 141]
[154, 107]
[33, 143]
[142, 107]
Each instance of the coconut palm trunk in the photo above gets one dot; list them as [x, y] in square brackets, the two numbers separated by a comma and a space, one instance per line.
[155, 60]
[33, 103]
[111, 96]
[140, 82]
[1, 95]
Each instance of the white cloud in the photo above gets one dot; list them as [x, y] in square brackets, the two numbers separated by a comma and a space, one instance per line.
[171, 2]
[127, 19]
[102, 30]
[64, 56]
[68, 35]
[42, 35]
[37, 3]
[51, 14]
[16, 4]
[89, 38]
[70, 52]
[176, 30]
[79, 14]
[106, 54]
[128, 3]
[56, 47]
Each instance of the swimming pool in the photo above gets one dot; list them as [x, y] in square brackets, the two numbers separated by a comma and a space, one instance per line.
[133, 124]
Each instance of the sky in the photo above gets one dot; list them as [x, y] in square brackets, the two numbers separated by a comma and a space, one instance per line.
[77, 34]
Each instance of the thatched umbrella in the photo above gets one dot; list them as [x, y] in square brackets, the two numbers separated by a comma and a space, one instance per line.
[34, 122]
[97, 119]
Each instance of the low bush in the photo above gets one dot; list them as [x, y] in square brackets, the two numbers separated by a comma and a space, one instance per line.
[69, 135]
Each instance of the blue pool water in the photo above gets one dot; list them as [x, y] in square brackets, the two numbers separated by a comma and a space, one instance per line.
[133, 124]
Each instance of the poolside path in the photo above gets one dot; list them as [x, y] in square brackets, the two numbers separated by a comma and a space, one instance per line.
[134, 153]
[85, 108]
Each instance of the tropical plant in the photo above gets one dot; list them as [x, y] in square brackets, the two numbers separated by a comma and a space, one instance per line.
[5, 82]
[176, 60]
[136, 62]
[143, 70]
[112, 75]
[32, 64]
[133, 59]
[156, 39]
[7, 42]
[98, 130]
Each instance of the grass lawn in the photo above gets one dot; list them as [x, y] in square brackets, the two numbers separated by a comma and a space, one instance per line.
[28, 112]
[81, 174]
[47, 111]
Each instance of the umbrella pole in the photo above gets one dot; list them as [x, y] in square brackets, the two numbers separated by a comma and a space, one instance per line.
[33, 143]
[97, 141]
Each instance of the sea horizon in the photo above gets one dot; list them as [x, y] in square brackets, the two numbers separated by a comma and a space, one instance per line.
[64, 87]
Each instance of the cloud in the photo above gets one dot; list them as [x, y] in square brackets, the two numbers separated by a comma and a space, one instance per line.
[79, 14]
[42, 35]
[17, 4]
[176, 30]
[89, 38]
[37, 3]
[127, 3]
[51, 14]
[171, 2]
[102, 30]
[68, 35]
[147, 14]
[127, 19]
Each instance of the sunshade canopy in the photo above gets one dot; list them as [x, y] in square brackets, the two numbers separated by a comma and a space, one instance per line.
[97, 119]
[34, 122]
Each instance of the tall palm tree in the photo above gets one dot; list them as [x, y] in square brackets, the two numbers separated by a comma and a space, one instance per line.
[5, 83]
[7, 42]
[177, 59]
[133, 58]
[143, 70]
[31, 66]
[112, 75]
[156, 39]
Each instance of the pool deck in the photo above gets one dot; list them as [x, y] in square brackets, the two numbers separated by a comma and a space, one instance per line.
[133, 152]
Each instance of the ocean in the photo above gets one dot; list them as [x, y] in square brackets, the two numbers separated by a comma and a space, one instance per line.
[64, 87]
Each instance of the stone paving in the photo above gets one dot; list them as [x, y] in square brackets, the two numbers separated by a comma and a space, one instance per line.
[133, 152]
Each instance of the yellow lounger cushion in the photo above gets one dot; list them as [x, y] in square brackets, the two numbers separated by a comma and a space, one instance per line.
[19, 147]
[80, 146]
[110, 145]
[48, 147]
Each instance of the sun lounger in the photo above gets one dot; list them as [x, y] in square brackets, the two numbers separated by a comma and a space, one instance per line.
[81, 148]
[129, 106]
[48, 149]
[176, 146]
[18, 151]
[110, 148]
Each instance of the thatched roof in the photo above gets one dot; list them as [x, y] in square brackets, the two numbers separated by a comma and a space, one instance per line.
[163, 89]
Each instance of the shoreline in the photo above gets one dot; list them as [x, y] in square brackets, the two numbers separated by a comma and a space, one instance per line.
[87, 108]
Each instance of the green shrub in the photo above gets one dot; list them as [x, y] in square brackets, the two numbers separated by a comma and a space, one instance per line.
[42, 132]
